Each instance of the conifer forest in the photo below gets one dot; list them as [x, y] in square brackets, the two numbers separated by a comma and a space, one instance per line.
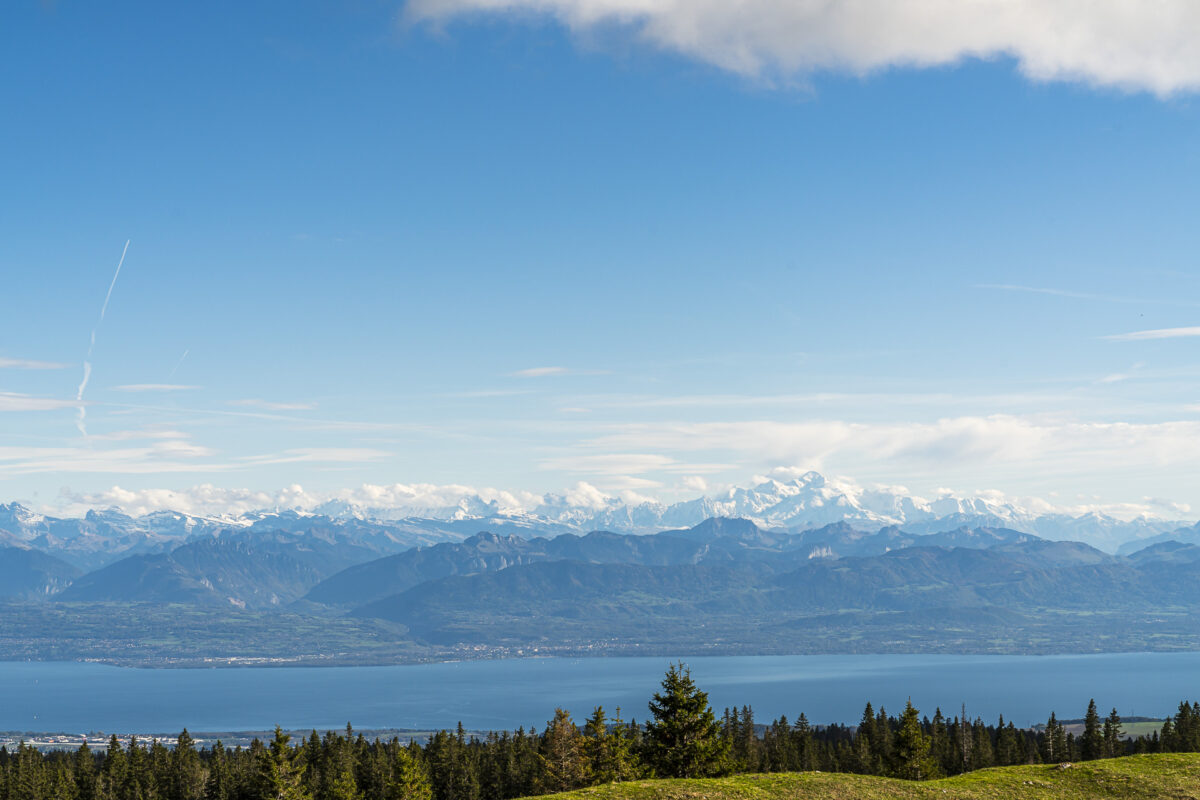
[682, 738]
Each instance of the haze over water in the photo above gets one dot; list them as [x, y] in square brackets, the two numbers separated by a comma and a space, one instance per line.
[82, 697]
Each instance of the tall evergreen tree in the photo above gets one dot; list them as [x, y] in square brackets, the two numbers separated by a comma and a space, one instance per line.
[275, 776]
[184, 771]
[806, 756]
[84, 770]
[1112, 735]
[1092, 743]
[912, 759]
[218, 785]
[683, 739]
[609, 748]
[565, 764]
[408, 779]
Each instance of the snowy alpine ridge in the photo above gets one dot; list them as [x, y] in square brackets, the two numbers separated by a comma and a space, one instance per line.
[391, 518]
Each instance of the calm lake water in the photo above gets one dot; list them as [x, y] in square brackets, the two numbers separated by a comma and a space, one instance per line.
[73, 697]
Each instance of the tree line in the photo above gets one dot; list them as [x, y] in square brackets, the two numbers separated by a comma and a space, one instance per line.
[683, 738]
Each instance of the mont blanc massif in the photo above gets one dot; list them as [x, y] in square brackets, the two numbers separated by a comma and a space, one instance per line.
[806, 565]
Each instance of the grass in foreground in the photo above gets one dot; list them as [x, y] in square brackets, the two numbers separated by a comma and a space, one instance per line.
[1175, 776]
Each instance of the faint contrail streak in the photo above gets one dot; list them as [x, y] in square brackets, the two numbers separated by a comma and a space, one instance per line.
[81, 410]
[178, 363]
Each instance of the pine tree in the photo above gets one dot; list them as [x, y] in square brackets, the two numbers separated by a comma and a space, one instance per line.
[1112, 735]
[184, 770]
[684, 739]
[275, 776]
[112, 772]
[63, 786]
[84, 770]
[563, 757]
[913, 761]
[609, 749]
[409, 779]
[865, 748]
[1092, 744]
[803, 737]
[1006, 744]
[217, 785]
[1054, 741]
[451, 772]
[982, 755]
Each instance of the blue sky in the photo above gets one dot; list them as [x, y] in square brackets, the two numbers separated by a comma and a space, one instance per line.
[372, 243]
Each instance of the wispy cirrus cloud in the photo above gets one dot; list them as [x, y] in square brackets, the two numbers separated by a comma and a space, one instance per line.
[24, 363]
[159, 455]
[11, 401]
[1159, 333]
[1078, 295]
[951, 443]
[539, 372]
[155, 387]
[1114, 43]
[625, 464]
[268, 405]
[330, 455]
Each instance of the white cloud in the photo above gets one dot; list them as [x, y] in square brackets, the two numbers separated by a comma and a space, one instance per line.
[10, 401]
[943, 444]
[625, 465]
[419, 499]
[154, 387]
[609, 463]
[22, 363]
[162, 456]
[334, 455]
[539, 372]
[1160, 333]
[254, 402]
[1116, 43]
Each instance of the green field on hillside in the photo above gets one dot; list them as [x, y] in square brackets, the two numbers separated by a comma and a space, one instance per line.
[1175, 776]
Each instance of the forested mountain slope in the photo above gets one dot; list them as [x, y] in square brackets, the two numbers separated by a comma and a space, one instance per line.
[718, 541]
[259, 572]
[27, 574]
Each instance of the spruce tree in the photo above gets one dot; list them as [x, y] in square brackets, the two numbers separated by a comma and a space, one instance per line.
[183, 782]
[409, 779]
[609, 749]
[84, 769]
[563, 757]
[1092, 743]
[912, 758]
[804, 745]
[1112, 735]
[684, 740]
[217, 786]
[276, 777]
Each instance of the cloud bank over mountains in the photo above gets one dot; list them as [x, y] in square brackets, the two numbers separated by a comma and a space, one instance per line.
[1109, 43]
[789, 498]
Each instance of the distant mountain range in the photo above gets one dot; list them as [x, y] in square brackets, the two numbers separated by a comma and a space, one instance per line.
[722, 585]
[103, 536]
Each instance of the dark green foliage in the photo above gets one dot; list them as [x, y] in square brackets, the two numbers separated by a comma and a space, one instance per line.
[1092, 743]
[684, 740]
[609, 747]
[564, 760]
[912, 760]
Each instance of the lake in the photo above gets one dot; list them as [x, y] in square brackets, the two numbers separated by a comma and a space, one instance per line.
[78, 697]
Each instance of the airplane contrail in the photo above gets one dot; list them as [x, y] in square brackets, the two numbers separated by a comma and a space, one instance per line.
[179, 363]
[81, 410]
